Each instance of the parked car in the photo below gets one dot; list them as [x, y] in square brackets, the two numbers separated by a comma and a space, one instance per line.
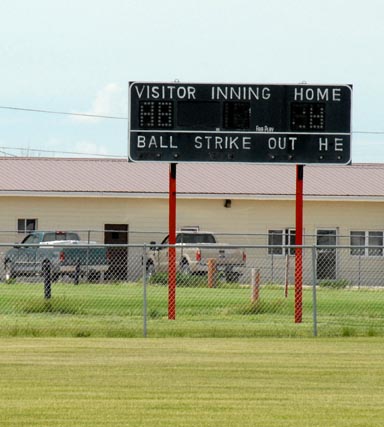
[193, 250]
[58, 252]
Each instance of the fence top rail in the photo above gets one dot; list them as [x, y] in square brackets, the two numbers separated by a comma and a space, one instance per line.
[165, 232]
[263, 246]
[148, 246]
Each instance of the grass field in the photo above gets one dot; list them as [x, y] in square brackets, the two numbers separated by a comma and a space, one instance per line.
[191, 382]
[116, 310]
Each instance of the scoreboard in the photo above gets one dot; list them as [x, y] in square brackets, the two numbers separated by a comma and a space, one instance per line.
[250, 123]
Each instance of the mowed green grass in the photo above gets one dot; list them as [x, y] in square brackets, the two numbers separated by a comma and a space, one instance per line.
[116, 310]
[191, 382]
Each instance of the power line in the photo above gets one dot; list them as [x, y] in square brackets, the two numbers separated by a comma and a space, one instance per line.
[34, 110]
[374, 132]
[35, 150]
[8, 154]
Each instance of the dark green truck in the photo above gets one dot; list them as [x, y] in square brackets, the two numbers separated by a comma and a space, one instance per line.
[63, 253]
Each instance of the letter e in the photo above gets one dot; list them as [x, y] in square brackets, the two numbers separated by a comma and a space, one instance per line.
[339, 144]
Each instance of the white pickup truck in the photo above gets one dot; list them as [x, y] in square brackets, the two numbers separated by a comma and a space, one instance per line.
[193, 249]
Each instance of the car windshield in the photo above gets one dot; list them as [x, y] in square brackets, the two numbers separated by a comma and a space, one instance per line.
[50, 237]
[195, 238]
[31, 239]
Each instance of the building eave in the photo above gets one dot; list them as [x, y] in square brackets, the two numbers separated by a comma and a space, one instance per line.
[205, 196]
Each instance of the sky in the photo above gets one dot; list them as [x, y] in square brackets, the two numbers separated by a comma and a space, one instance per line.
[77, 57]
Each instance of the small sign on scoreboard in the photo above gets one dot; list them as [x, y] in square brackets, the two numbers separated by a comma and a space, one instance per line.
[255, 123]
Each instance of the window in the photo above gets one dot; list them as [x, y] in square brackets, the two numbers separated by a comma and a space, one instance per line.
[279, 239]
[26, 225]
[275, 238]
[366, 243]
[51, 237]
[31, 239]
[375, 239]
[291, 240]
[195, 238]
[357, 239]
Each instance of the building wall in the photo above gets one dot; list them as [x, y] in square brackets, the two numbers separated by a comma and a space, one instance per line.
[151, 215]
[78, 213]
[246, 222]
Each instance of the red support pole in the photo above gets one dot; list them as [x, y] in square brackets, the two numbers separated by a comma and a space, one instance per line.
[172, 241]
[299, 242]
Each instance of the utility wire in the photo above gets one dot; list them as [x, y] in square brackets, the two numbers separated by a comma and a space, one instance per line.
[56, 152]
[34, 110]
[373, 132]
[8, 154]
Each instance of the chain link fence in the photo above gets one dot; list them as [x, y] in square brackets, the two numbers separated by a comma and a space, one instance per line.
[113, 236]
[64, 288]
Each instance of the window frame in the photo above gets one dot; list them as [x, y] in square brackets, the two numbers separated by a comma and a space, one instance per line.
[367, 249]
[280, 248]
[360, 249]
[376, 249]
[23, 225]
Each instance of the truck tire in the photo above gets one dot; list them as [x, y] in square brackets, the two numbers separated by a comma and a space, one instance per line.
[232, 276]
[8, 271]
[150, 268]
[44, 271]
[185, 268]
[94, 276]
[55, 277]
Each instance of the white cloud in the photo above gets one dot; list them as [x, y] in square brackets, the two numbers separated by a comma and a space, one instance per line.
[109, 101]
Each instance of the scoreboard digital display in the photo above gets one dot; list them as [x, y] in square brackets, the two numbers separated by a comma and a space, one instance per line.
[186, 122]
[156, 114]
[308, 116]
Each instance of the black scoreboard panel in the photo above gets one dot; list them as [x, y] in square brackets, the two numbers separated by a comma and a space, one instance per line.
[198, 114]
[237, 115]
[169, 121]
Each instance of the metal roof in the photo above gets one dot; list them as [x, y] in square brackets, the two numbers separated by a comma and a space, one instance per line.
[60, 176]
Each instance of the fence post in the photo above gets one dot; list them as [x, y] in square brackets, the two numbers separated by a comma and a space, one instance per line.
[76, 279]
[87, 268]
[359, 282]
[255, 279]
[286, 274]
[47, 279]
[211, 262]
[314, 295]
[145, 291]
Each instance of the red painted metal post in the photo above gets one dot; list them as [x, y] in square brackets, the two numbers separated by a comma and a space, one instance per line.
[172, 241]
[299, 242]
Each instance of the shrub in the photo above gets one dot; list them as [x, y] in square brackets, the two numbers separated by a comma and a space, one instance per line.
[348, 331]
[52, 306]
[184, 280]
[334, 284]
[262, 306]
